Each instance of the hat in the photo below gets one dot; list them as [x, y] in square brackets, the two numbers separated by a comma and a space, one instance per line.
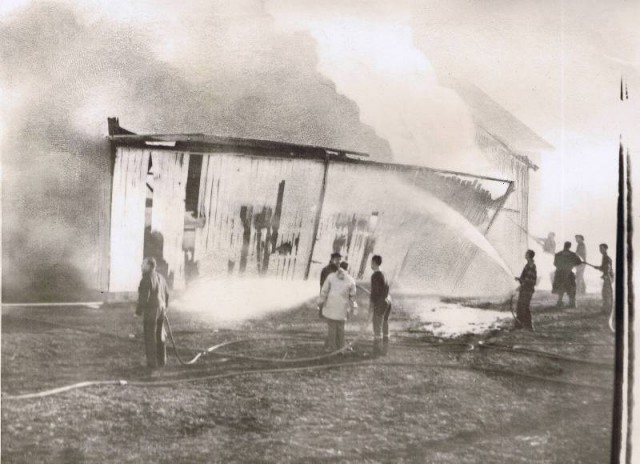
[336, 255]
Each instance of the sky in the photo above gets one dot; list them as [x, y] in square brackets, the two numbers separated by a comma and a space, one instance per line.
[355, 74]
[556, 65]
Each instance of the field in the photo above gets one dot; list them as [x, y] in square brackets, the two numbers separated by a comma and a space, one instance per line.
[427, 400]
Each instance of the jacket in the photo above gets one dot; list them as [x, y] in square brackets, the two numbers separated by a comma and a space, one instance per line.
[566, 260]
[528, 278]
[606, 267]
[326, 272]
[338, 295]
[379, 291]
[153, 295]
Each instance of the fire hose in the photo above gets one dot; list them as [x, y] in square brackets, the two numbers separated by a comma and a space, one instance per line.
[214, 348]
[367, 363]
[536, 239]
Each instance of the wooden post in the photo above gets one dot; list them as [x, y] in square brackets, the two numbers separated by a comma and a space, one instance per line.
[509, 191]
[316, 223]
[113, 127]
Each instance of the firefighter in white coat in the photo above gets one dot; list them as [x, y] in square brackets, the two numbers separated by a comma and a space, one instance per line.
[338, 300]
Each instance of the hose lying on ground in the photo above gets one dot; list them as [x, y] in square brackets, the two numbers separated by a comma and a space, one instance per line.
[214, 348]
[368, 363]
[544, 354]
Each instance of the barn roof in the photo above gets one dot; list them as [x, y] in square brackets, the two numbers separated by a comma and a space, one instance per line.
[201, 143]
[496, 120]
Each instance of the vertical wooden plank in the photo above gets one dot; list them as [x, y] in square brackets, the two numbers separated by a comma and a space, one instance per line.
[127, 219]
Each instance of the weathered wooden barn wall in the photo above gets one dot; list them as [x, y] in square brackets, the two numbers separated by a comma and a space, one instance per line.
[508, 233]
[258, 214]
[393, 211]
[99, 219]
[360, 215]
[168, 208]
[127, 218]
[282, 216]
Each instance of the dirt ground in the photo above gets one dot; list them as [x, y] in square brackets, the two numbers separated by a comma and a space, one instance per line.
[426, 401]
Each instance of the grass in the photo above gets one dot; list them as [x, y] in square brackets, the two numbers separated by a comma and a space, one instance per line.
[393, 409]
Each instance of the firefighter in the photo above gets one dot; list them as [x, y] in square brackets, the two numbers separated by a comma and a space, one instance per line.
[607, 279]
[330, 268]
[338, 301]
[153, 300]
[581, 251]
[564, 280]
[527, 280]
[379, 306]
[549, 248]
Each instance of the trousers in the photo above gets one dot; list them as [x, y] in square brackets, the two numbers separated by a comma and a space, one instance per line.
[607, 295]
[523, 310]
[154, 339]
[581, 287]
[381, 322]
[335, 335]
[565, 282]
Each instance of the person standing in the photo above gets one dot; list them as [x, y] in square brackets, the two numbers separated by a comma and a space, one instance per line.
[527, 280]
[565, 280]
[581, 251]
[379, 306]
[338, 301]
[329, 269]
[153, 300]
[548, 244]
[549, 248]
[607, 279]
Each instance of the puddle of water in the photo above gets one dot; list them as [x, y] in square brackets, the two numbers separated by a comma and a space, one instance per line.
[448, 320]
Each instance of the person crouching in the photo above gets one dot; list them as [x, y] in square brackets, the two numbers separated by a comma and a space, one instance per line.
[153, 300]
[338, 300]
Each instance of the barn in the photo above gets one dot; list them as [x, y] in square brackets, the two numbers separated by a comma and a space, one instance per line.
[214, 206]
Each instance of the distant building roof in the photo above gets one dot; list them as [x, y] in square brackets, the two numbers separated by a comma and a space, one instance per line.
[496, 120]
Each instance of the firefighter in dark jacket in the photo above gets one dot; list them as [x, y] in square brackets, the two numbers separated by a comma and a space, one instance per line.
[153, 300]
[379, 306]
[329, 269]
[527, 280]
[564, 280]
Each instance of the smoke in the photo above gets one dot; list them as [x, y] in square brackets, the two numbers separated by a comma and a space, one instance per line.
[374, 61]
[201, 68]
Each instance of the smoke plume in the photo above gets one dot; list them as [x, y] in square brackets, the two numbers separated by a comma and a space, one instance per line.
[373, 60]
[205, 68]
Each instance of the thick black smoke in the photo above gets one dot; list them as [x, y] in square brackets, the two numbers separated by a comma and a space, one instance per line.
[64, 77]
